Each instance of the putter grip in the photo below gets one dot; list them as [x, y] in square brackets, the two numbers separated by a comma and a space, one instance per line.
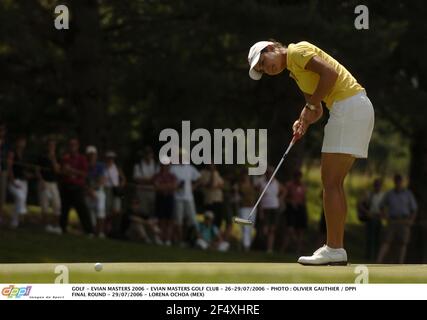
[295, 138]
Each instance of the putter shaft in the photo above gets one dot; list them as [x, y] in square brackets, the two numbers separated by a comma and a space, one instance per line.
[269, 181]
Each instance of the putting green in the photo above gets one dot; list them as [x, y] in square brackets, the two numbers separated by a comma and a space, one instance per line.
[209, 273]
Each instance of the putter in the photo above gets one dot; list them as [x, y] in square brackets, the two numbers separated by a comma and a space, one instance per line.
[250, 219]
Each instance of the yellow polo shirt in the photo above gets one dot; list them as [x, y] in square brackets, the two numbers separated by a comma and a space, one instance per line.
[299, 55]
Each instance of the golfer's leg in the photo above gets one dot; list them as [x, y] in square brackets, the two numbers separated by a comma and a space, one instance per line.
[335, 167]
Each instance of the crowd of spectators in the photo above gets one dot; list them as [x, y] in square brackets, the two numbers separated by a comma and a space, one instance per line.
[180, 204]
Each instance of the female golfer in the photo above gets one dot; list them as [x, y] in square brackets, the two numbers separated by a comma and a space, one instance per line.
[347, 133]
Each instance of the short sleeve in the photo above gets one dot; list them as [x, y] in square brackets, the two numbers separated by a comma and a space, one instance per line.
[301, 54]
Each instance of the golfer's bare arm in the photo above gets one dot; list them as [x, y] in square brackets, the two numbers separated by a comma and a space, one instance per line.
[311, 116]
[327, 78]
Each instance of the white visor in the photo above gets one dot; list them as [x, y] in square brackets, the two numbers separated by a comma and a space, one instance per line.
[253, 58]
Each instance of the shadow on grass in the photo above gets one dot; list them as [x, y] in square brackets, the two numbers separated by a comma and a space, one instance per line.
[31, 244]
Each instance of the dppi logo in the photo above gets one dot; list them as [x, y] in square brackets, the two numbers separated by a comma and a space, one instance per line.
[15, 292]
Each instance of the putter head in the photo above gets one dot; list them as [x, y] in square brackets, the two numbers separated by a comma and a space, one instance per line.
[242, 221]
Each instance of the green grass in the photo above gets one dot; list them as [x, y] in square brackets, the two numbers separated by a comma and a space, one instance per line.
[30, 255]
[210, 273]
[29, 245]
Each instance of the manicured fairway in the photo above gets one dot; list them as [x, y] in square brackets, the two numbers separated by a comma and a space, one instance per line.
[209, 273]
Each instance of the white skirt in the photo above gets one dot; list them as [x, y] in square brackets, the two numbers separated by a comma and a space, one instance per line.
[350, 125]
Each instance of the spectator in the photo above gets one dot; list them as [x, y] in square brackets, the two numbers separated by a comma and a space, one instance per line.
[165, 184]
[115, 182]
[269, 205]
[247, 197]
[399, 207]
[296, 211]
[143, 173]
[18, 176]
[141, 226]
[259, 240]
[185, 211]
[369, 208]
[47, 173]
[95, 193]
[209, 236]
[3, 167]
[213, 185]
[74, 168]
[136, 230]
[231, 194]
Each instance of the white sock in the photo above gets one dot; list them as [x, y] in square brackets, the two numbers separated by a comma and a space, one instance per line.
[333, 249]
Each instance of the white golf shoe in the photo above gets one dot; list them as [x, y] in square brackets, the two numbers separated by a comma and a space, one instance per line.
[325, 256]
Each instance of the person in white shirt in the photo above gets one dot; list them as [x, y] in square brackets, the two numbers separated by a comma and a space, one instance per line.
[115, 182]
[18, 176]
[95, 191]
[47, 173]
[269, 205]
[187, 176]
[143, 173]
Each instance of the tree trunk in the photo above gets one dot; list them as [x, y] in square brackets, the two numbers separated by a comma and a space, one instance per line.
[87, 75]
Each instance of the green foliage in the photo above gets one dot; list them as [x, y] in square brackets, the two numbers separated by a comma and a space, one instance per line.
[131, 68]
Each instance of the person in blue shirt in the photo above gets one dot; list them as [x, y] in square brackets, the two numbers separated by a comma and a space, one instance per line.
[95, 196]
[209, 236]
[399, 207]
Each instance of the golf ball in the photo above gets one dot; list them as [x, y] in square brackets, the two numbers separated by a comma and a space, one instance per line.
[98, 266]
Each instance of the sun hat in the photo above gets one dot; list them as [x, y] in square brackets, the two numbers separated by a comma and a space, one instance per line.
[253, 58]
[91, 149]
